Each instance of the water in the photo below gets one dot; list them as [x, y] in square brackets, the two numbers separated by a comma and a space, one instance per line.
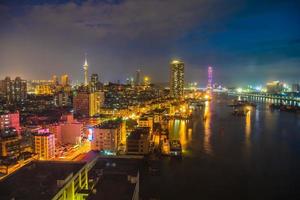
[229, 157]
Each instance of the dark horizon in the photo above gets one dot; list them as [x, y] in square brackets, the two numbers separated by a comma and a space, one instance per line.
[246, 42]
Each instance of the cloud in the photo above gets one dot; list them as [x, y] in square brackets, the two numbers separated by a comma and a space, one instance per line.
[130, 19]
[120, 36]
[55, 36]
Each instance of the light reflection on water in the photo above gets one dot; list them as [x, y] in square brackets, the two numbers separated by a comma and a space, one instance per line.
[207, 129]
[248, 131]
[250, 157]
[178, 131]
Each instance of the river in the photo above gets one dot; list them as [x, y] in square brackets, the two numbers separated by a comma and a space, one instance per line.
[230, 157]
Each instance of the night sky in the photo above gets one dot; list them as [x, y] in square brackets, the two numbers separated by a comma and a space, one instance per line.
[246, 41]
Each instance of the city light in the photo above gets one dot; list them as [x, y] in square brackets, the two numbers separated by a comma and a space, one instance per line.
[239, 90]
[149, 100]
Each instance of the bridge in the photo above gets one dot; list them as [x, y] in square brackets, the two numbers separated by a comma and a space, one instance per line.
[293, 100]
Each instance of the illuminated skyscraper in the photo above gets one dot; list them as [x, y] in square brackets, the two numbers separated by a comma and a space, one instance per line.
[44, 145]
[64, 80]
[146, 81]
[95, 84]
[88, 103]
[210, 77]
[176, 78]
[85, 68]
[138, 77]
[15, 90]
[55, 80]
[295, 87]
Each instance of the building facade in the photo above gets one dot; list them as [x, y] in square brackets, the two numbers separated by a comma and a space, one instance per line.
[295, 87]
[15, 91]
[10, 120]
[88, 103]
[138, 142]
[109, 136]
[176, 79]
[9, 144]
[65, 80]
[44, 145]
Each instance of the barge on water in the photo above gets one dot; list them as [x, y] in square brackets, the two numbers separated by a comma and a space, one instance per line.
[175, 148]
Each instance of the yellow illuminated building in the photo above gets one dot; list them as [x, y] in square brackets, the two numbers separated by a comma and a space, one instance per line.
[88, 103]
[44, 146]
[64, 80]
[10, 147]
[43, 90]
[95, 103]
[146, 81]
[146, 121]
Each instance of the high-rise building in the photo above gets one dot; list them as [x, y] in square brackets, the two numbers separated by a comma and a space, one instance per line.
[71, 132]
[209, 77]
[9, 143]
[43, 89]
[64, 80]
[176, 78]
[138, 77]
[95, 84]
[88, 103]
[67, 131]
[295, 87]
[61, 99]
[44, 145]
[85, 69]
[146, 81]
[54, 80]
[15, 90]
[275, 87]
[108, 136]
[138, 141]
[146, 121]
[10, 120]
[40, 87]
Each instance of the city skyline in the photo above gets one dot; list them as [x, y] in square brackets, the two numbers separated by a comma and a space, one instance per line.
[260, 39]
[129, 99]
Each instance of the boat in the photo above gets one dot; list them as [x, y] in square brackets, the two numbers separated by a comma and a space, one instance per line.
[241, 103]
[240, 112]
[175, 148]
[289, 108]
[283, 107]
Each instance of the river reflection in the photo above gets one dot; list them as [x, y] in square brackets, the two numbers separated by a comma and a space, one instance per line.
[250, 157]
[207, 128]
[179, 131]
[248, 131]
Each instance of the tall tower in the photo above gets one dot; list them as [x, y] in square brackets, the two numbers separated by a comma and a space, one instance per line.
[85, 68]
[176, 78]
[209, 77]
[94, 83]
[138, 77]
[64, 80]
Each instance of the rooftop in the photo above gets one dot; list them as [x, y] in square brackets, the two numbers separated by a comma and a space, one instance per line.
[40, 177]
[115, 184]
[109, 124]
[138, 132]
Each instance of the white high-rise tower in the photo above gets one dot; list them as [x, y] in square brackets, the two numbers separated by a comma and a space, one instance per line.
[85, 68]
